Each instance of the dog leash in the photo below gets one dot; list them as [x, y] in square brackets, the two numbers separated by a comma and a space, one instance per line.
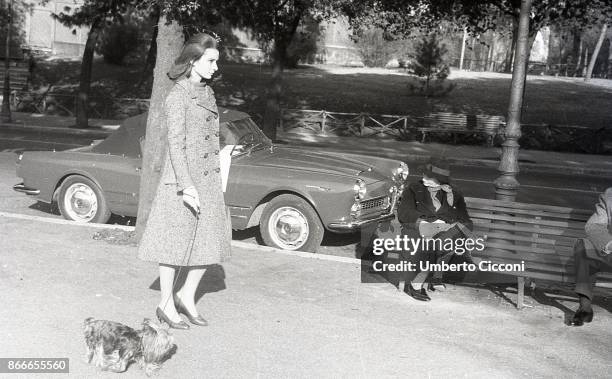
[186, 256]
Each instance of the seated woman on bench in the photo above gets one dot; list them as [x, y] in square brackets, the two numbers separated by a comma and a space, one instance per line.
[431, 208]
[592, 254]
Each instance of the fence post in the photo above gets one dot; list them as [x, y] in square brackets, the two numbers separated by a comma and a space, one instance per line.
[362, 125]
[323, 122]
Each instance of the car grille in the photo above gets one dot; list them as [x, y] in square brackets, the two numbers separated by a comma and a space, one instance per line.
[377, 203]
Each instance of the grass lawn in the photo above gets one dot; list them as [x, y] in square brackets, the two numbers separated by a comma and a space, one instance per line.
[548, 100]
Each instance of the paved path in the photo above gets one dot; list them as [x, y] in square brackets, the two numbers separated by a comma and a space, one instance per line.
[277, 315]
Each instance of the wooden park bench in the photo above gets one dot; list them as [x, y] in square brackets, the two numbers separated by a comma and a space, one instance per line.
[541, 236]
[19, 74]
[457, 123]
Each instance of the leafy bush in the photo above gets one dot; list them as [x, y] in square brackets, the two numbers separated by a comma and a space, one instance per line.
[430, 66]
[117, 41]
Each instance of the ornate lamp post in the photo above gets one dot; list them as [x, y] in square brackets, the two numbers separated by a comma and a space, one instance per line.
[506, 186]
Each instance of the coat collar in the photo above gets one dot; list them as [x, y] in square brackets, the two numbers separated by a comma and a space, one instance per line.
[201, 93]
[422, 194]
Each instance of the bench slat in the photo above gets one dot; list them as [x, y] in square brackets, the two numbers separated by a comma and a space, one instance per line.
[529, 212]
[523, 256]
[543, 231]
[535, 207]
[523, 220]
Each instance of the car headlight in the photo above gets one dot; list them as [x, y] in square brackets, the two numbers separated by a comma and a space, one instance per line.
[360, 189]
[401, 172]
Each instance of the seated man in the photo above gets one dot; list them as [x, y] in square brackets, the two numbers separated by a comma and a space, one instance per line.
[431, 208]
[592, 254]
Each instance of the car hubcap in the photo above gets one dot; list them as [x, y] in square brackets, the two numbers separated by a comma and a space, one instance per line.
[81, 202]
[288, 228]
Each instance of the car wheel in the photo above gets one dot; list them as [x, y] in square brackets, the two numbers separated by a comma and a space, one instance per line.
[290, 223]
[81, 200]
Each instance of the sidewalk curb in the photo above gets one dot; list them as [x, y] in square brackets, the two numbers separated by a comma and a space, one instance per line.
[490, 163]
[235, 244]
[536, 167]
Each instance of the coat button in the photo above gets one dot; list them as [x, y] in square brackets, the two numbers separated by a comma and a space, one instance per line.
[207, 137]
[205, 173]
[205, 155]
[216, 134]
[216, 116]
[217, 170]
[216, 152]
[208, 118]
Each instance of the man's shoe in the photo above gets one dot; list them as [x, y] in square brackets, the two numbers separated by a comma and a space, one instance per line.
[417, 295]
[436, 284]
[581, 316]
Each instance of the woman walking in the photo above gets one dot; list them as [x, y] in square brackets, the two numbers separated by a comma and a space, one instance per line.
[188, 225]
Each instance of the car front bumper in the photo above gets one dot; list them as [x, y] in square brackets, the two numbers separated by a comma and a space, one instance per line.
[27, 190]
[356, 224]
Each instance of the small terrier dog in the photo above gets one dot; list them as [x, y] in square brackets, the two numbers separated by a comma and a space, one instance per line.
[113, 346]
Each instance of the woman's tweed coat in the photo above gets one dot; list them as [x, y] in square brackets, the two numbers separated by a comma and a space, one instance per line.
[191, 159]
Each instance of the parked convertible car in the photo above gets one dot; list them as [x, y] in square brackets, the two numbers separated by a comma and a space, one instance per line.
[293, 194]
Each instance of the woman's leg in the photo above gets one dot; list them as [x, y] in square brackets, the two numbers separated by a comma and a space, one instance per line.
[187, 293]
[166, 283]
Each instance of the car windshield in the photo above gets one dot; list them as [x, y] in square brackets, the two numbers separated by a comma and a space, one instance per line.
[242, 132]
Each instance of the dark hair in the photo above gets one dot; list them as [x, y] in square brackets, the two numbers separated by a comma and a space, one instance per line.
[192, 51]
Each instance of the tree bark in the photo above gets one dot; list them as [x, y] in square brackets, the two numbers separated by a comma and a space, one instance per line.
[579, 64]
[150, 62]
[170, 42]
[272, 112]
[463, 41]
[510, 56]
[506, 186]
[85, 78]
[602, 36]
[6, 94]
[492, 62]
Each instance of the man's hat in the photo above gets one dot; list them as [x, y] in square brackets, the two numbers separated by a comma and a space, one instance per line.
[437, 169]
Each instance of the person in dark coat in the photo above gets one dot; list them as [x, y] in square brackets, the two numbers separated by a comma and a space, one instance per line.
[431, 208]
[188, 223]
[592, 255]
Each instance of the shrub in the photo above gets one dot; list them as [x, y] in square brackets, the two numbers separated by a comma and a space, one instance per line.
[117, 41]
[430, 66]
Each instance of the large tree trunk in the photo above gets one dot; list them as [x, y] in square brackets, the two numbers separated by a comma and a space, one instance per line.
[506, 186]
[85, 79]
[272, 113]
[170, 42]
[602, 36]
[6, 94]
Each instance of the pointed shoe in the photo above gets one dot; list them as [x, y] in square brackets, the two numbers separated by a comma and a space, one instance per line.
[196, 320]
[161, 316]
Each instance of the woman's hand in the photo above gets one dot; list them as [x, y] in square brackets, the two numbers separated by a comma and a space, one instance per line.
[191, 198]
